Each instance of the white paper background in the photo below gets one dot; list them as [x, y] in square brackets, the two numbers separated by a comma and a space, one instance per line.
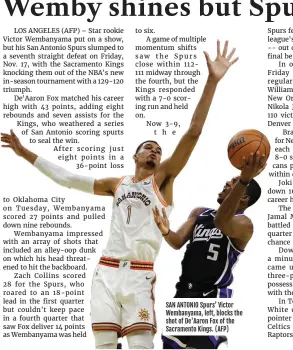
[240, 103]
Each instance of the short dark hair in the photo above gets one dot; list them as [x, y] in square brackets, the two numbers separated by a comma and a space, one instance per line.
[253, 190]
[138, 148]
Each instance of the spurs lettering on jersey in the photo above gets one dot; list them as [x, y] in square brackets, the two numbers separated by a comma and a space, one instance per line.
[137, 195]
[200, 233]
[134, 234]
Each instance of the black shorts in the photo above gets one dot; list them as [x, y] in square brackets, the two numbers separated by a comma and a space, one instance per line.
[194, 342]
[210, 293]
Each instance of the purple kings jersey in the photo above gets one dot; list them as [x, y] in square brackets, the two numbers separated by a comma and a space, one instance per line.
[209, 258]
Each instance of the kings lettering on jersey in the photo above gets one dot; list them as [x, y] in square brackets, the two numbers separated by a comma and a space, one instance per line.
[209, 258]
[200, 233]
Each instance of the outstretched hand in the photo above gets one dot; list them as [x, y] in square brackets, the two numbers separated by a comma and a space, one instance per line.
[252, 166]
[12, 141]
[218, 67]
[161, 220]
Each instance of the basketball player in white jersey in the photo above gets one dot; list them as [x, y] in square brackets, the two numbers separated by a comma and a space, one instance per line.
[122, 290]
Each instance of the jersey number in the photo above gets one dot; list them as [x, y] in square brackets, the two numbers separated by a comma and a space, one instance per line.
[129, 214]
[214, 254]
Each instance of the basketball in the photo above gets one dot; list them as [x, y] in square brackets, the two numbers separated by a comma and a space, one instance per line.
[246, 142]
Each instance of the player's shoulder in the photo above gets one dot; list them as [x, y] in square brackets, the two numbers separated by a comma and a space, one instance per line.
[126, 178]
[198, 211]
[241, 216]
[118, 181]
[243, 231]
[243, 221]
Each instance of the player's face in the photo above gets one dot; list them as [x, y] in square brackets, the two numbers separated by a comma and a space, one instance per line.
[227, 189]
[149, 154]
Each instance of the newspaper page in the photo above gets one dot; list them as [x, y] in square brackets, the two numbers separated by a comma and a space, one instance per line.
[93, 96]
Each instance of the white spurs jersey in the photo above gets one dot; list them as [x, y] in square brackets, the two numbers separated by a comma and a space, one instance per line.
[134, 234]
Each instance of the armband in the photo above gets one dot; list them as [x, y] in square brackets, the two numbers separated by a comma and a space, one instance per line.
[64, 177]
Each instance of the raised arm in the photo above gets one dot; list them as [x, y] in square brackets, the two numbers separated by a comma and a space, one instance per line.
[217, 69]
[239, 228]
[176, 239]
[104, 187]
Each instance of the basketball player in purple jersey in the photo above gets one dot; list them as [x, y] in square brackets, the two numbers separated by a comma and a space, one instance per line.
[122, 289]
[216, 239]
